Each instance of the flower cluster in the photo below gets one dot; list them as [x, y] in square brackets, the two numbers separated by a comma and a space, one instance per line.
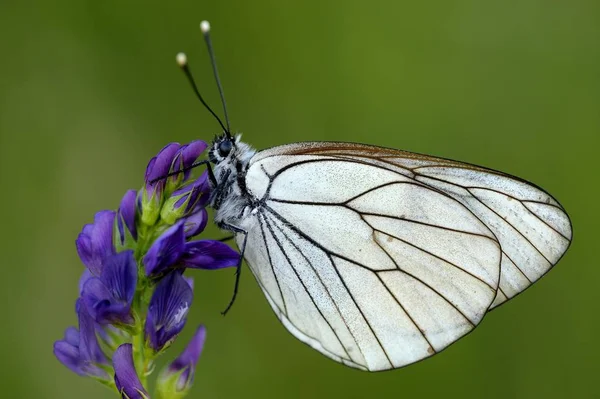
[133, 295]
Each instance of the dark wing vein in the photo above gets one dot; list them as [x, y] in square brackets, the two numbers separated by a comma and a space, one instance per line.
[306, 289]
[419, 280]
[431, 254]
[394, 296]
[524, 206]
[264, 237]
[309, 239]
[511, 225]
[517, 266]
[424, 224]
[329, 255]
[502, 292]
[432, 289]
[533, 201]
[360, 310]
[473, 196]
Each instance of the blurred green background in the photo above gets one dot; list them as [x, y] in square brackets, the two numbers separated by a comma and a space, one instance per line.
[89, 91]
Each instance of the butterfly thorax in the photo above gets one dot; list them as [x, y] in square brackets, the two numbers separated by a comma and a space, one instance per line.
[230, 199]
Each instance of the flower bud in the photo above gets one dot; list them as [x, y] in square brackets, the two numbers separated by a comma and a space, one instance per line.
[186, 200]
[156, 171]
[183, 160]
[125, 230]
[176, 379]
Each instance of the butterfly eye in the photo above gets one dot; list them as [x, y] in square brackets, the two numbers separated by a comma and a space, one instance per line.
[225, 148]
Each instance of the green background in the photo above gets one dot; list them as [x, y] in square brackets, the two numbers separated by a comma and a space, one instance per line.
[89, 91]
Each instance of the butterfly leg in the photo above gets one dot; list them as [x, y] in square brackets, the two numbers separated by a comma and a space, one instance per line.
[238, 272]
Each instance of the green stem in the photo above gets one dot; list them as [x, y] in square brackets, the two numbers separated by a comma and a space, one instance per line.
[138, 341]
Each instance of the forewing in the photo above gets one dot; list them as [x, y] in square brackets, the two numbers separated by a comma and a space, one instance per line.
[532, 228]
[367, 265]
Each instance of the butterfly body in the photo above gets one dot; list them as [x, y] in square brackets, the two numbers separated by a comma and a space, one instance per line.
[230, 199]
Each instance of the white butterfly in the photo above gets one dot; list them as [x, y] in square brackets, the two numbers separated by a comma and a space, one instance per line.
[376, 257]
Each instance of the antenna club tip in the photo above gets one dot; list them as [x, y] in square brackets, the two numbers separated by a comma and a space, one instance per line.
[181, 59]
[205, 27]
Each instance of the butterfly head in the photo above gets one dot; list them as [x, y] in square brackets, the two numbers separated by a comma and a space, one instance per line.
[223, 147]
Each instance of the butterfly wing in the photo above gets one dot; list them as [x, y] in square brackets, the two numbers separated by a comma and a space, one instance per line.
[379, 258]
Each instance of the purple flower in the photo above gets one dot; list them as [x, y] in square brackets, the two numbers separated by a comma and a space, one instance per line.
[185, 158]
[126, 378]
[179, 375]
[158, 167]
[193, 195]
[79, 350]
[195, 223]
[165, 251]
[94, 243]
[153, 191]
[171, 251]
[168, 310]
[126, 216]
[108, 297]
[186, 200]
[209, 254]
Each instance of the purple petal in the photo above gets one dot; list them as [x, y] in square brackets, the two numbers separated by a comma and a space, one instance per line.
[90, 353]
[126, 379]
[165, 251]
[94, 243]
[188, 359]
[103, 307]
[160, 165]
[168, 310]
[88, 343]
[186, 156]
[149, 169]
[157, 168]
[72, 336]
[68, 355]
[190, 281]
[126, 215]
[120, 275]
[198, 193]
[192, 151]
[108, 298]
[195, 223]
[79, 350]
[85, 276]
[190, 154]
[209, 254]
[67, 351]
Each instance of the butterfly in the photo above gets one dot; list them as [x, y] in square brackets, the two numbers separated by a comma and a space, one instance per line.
[378, 257]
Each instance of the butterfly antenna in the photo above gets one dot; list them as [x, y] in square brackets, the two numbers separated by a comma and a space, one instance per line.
[205, 28]
[183, 64]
